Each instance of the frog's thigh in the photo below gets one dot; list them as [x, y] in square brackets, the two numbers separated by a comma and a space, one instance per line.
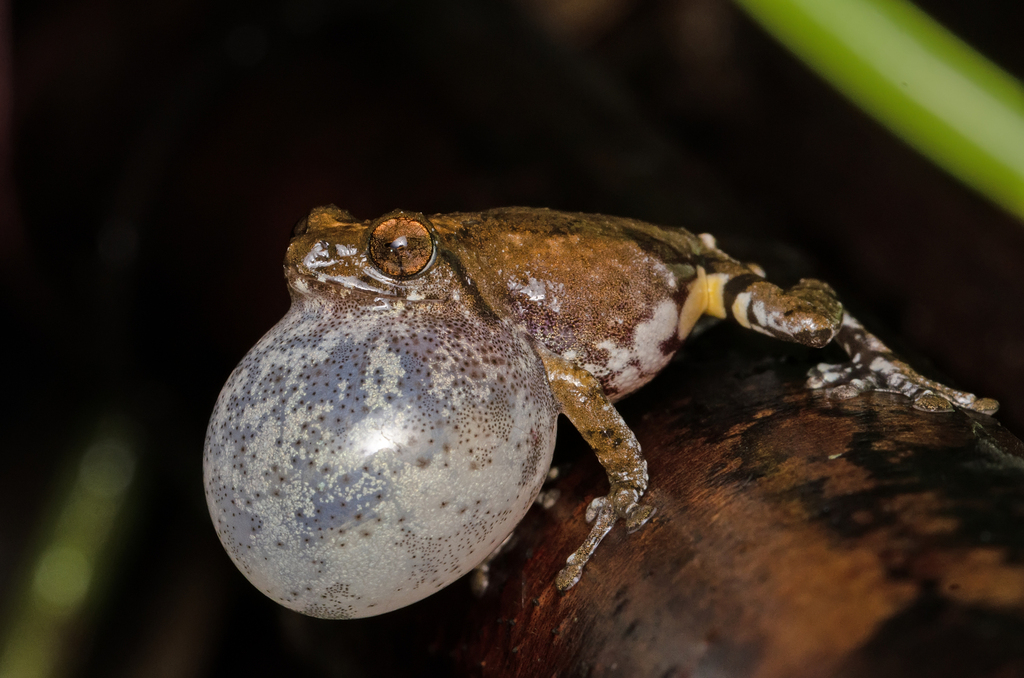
[807, 313]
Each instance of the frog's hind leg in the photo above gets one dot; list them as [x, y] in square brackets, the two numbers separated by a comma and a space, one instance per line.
[874, 367]
[809, 313]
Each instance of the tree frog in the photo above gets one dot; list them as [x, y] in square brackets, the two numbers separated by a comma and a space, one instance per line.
[392, 429]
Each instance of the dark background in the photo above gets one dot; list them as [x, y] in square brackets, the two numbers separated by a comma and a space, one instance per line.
[154, 156]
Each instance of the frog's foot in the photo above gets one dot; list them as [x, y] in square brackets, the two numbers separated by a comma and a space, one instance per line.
[621, 502]
[873, 367]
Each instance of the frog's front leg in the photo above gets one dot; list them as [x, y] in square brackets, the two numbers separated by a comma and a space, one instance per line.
[810, 314]
[584, 402]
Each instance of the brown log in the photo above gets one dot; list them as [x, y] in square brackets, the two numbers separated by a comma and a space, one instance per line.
[796, 535]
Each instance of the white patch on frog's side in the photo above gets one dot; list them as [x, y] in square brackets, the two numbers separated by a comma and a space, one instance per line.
[739, 309]
[345, 251]
[660, 269]
[532, 290]
[618, 365]
[537, 290]
[649, 336]
[633, 366]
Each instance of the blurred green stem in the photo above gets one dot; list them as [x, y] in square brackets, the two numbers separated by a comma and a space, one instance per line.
[918, 79]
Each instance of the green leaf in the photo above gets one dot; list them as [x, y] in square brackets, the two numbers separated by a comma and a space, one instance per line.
[916, 78]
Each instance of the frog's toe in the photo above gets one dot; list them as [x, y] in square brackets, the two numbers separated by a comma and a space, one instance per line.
[602, 514]
[985, 405]
[480, 580]
[932, 402]
[638, 517]
[568, 576]
[847, 391]
[969, 401]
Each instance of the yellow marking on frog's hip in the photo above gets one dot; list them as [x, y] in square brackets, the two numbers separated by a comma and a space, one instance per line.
[696, 303]
[739, 309]
[716, 294]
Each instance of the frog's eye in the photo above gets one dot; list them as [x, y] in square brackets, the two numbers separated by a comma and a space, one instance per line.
[301, 226]
[401, 246]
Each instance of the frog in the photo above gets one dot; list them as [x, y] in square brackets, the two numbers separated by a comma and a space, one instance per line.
[390, 431]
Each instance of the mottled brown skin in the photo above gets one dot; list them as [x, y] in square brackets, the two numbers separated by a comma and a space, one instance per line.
[603, 267]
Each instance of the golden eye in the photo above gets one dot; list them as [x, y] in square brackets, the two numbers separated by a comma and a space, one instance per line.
[401, 246]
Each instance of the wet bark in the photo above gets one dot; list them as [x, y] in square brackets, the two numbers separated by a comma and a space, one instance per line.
[795, 536]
